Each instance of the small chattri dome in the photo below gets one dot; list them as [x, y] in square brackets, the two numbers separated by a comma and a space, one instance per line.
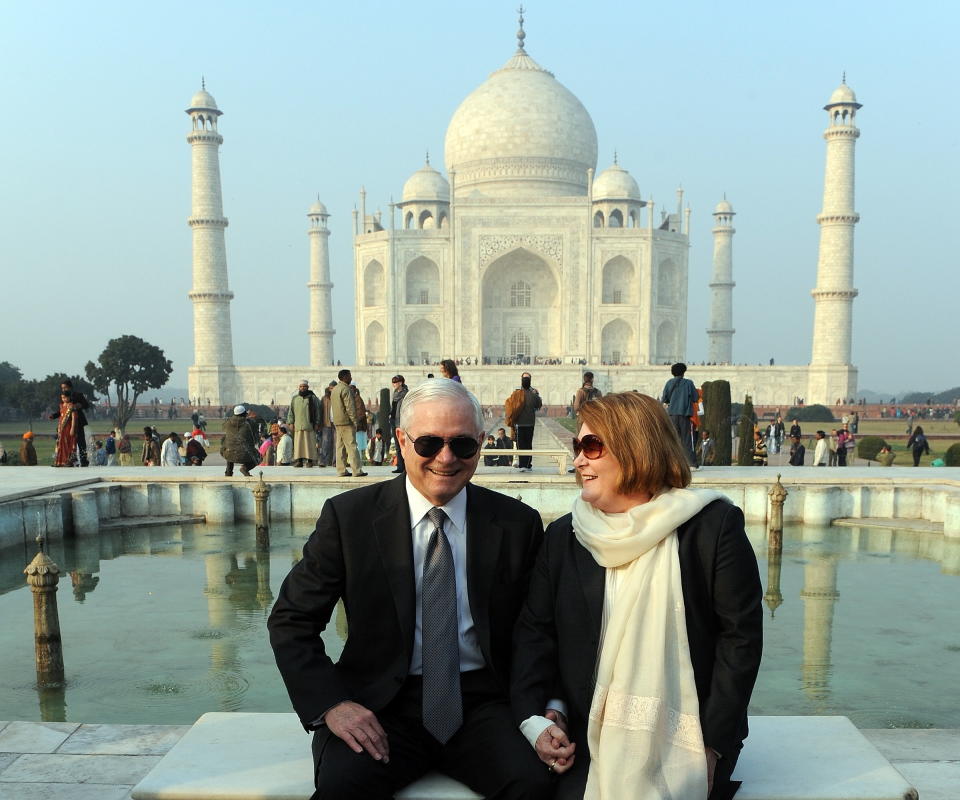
[318, 209]
[842, 94]
[615, 183]
[203, 99]
[426, 185]
[723, 207]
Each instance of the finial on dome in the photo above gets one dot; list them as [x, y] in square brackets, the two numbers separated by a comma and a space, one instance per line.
[428, 158]
[203, 83]
[615, 161]
[844, 78]
[521, 34]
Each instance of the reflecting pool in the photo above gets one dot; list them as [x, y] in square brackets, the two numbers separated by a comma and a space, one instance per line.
[162, 624]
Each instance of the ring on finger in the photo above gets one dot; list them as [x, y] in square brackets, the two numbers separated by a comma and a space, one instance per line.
[552, 765]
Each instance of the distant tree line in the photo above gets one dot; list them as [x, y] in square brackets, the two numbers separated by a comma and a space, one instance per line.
[30, 399]
[127, 367]
[932, 398]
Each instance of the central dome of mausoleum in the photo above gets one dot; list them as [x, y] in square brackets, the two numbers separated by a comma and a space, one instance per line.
[520, 133]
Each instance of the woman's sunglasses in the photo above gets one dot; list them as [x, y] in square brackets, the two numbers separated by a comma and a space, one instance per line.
[461, 446]
[590, 445]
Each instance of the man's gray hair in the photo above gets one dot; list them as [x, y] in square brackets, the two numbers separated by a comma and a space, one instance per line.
[439, 389]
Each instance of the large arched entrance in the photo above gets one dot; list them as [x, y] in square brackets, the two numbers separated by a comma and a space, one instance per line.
[521, 307]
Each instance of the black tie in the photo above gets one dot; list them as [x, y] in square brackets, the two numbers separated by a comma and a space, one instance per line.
[442, 704]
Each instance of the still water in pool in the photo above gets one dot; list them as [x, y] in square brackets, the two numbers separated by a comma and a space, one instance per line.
[163, 624]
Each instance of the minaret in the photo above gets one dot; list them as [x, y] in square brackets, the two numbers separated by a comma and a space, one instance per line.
[834, 293]
[211, 295]
[321, 306]
[721, 330]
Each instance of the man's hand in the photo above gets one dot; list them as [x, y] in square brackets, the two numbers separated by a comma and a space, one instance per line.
[558, 719]
[555, 749]
[359, 728]
[711, 767]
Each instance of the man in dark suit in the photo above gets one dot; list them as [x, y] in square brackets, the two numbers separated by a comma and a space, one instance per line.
[432, 572]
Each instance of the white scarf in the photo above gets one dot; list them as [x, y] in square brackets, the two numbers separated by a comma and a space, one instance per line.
[644, 728]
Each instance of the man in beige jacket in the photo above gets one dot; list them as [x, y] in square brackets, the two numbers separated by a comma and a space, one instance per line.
[343, 409]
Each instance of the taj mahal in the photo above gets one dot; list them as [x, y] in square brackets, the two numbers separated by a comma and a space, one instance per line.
[522, 253]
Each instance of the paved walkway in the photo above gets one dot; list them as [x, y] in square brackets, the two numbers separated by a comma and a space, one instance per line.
[73, 761]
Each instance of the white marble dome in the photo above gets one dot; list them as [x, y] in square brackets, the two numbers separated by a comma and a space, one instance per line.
[615, 183]
[842, 94]
[520, 133]
[318, 209]
[426, 185]
[723, 207]
[203, 99]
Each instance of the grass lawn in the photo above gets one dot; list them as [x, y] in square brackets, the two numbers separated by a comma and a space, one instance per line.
[44, 430]
[886, 428]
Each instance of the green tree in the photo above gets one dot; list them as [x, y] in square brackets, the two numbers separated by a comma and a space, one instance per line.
[745, 428]
[33, 398]
[716, 419]
[131, 366]
[10, 379]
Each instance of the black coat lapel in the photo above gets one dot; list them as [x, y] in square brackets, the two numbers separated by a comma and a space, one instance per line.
[592, 580]
[484, 535]
[394, 540]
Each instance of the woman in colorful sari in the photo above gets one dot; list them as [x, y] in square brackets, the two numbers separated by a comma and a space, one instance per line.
[66, 433]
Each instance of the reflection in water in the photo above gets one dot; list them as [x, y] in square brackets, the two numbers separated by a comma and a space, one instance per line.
[773, 596]
[53, 704]
[176, 625]
[819, 595]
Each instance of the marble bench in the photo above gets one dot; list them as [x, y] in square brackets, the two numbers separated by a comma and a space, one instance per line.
[246, 756]
[559, 454]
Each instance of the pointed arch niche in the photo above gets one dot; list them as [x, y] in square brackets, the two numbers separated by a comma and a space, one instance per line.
[520, 292]
[668, 283]
[423, 282]
[666, 348]
[617, 343]
[423, 343]
[374, 291]
[619, 282]
[376, 343]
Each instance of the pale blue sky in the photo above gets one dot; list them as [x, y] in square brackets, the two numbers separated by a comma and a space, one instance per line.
[324, 97]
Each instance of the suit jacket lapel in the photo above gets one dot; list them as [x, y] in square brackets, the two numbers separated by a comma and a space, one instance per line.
[592, 582]
[483, 548]
[394, 541]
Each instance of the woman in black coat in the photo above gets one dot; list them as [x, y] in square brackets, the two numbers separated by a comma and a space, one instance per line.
[640, 641]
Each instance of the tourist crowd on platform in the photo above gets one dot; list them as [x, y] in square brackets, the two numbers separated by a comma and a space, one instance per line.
[338, 430]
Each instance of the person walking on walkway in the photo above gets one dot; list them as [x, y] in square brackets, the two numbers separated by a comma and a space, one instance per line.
[679, 395]
[917, 444]
[304, 418]
[521, 413]
[238, 446]
[399, 392]
[344, 411]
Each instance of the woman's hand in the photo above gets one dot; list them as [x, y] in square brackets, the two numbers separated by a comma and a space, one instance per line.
[711, 755]
[555, 749]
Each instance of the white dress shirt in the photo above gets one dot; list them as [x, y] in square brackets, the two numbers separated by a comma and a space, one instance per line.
[455, 528]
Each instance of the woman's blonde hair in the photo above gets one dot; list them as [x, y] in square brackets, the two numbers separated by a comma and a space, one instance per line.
[636, 430]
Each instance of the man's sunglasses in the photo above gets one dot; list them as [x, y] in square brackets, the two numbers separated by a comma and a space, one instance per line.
[461, 446]
[590, 445]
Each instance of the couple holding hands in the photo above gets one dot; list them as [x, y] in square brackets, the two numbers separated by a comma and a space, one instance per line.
[612, 657]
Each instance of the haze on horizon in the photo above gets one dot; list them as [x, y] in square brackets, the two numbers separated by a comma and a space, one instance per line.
[321, 100]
